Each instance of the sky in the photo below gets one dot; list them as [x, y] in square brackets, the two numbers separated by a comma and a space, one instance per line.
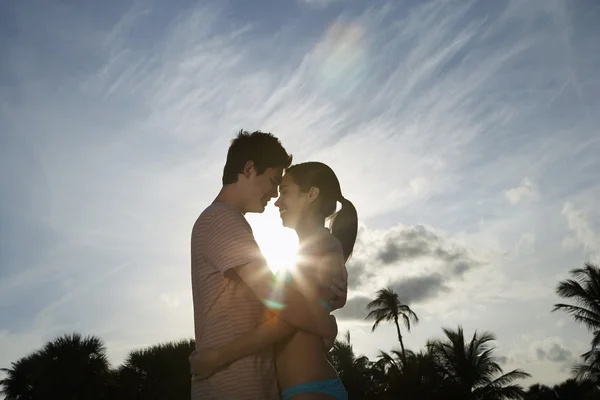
[466, 134]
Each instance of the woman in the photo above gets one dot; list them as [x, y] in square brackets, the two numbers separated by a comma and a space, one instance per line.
[309, 193]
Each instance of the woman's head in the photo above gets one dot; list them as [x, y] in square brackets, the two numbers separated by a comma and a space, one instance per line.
[312, 190]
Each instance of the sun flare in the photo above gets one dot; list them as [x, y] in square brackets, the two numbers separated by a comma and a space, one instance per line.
[279, 245]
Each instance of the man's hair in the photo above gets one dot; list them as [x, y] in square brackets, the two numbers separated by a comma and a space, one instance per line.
[263, 148]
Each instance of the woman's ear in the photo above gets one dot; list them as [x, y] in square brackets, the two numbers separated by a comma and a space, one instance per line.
[313, 193]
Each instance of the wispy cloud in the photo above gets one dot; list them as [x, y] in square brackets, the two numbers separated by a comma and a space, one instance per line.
[582, 233]
[525, 191]
[318, 3]
[114, 135]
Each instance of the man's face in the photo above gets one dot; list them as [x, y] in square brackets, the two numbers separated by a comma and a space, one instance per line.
[263, 188]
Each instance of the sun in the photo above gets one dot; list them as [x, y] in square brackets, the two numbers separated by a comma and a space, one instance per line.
[279, 245]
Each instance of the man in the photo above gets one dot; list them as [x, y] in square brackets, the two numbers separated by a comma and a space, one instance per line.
[231, 281]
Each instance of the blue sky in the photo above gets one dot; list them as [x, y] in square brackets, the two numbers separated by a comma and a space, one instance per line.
[466, 134]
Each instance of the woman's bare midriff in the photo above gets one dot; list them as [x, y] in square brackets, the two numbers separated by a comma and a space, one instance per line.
[302, 359]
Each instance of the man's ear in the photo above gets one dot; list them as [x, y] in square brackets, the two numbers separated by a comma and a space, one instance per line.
[249, 169]
[313, 193]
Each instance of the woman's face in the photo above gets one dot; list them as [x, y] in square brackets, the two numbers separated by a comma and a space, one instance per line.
[292, 202]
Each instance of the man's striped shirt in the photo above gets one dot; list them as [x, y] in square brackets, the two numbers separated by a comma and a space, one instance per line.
[224, 307]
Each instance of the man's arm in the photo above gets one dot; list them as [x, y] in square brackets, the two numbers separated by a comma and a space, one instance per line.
[293, 307]
[228, 245]
[339, 288]
[302, 304]
[207, 361]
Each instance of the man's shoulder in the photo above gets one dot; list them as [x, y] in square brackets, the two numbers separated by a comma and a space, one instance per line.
[217, 209]
[219, 213]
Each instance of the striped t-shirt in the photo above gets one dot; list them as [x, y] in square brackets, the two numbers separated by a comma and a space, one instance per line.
[224, 307]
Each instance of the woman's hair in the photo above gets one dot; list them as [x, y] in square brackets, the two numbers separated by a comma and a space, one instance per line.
[344, 224]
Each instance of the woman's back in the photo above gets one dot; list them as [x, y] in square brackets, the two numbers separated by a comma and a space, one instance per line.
[302, 357]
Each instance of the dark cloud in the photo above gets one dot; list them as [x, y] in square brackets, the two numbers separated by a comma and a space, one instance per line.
[402, 245]
[357, 273]
[406, 244]
[461, 267]
[418, 288]
[411, 291]
[355, 308]
[502, 360]
[409, 243]
[416, 242]
[555, 353]
[397, 246]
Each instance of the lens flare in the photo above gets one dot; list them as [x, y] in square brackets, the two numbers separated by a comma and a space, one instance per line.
[341, 56]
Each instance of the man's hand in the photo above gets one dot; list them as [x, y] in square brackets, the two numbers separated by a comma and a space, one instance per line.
[329, 340]
[204, 363]
[339, 288]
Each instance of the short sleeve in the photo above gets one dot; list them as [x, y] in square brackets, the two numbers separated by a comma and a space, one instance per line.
[228, 241]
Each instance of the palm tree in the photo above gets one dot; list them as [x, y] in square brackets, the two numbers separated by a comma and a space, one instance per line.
[354, 371]
[589, 369]
[574, 389]
[21, 378]
[540, 392]
[415, 376]
[157, 372]
[68, 367]
[387, 307]
[472, 368]
[584, 289]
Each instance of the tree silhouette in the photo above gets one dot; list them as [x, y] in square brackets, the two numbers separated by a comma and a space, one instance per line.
[540, 392]
[387, 307]
[68, 367]
[353, 371]
[584, 289]
[22, 379]
[157, 372]
[416, 376]
[570, 389]
[472, 369]
[589, 369]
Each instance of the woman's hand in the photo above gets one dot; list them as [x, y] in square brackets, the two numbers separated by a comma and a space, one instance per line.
[204, 363]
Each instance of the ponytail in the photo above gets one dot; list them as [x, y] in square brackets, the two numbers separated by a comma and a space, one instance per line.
[344, 226]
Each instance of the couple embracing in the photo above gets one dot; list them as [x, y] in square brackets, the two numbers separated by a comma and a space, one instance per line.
[261, 336]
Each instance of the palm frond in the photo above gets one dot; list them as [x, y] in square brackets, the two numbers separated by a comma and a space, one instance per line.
[589, 318]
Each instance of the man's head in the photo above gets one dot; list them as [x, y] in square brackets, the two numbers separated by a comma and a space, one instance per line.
[255, 165]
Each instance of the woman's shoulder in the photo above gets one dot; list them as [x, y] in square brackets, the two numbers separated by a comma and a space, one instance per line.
[323, 242]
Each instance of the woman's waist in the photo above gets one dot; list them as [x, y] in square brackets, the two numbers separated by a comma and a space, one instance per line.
[302, 359]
